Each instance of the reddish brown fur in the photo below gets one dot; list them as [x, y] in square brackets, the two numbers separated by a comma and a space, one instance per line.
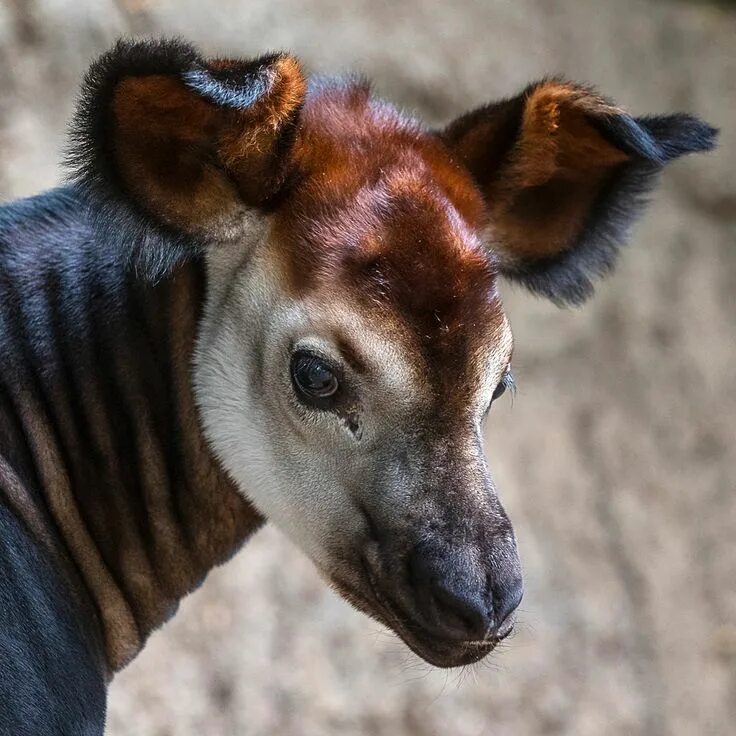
[164, 170]
[366, 173]
[191, 162]
[540, 178]
[540, 198]
[383, 211]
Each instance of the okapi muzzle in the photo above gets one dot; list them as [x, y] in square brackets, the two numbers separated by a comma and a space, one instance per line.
[267, 298]
[446, 574]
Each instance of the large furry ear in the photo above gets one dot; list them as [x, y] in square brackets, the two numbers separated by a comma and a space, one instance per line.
[564, 172]
[188, 143]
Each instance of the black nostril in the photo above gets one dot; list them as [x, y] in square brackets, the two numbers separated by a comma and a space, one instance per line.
[462, 612]
[448, 603]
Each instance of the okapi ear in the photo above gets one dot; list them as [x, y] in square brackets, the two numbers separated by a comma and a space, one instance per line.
[564, 173]
[190, 142]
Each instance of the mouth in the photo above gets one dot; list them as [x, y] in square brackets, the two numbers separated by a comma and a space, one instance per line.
[366, 596]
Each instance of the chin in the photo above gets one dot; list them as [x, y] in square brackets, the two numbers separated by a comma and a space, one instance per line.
[446, 654]
[437, 652]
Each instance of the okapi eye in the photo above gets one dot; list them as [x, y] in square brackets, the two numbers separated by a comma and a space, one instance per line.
[505, 383]
[314, 380]
[499, 392]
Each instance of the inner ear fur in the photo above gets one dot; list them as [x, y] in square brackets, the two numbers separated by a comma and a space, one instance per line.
[564, 172]
[191, 142]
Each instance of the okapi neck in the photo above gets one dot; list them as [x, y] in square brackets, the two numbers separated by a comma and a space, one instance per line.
[179, 515]
[121, 473]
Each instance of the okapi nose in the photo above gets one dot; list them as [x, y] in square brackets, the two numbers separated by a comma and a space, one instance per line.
[461, 613]
[453, 605]
[448, 605]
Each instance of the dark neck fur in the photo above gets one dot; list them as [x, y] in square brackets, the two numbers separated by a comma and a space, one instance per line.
[100, 447]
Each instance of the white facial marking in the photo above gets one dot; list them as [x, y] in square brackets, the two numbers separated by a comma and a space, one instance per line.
[304, 470]
[293, 471]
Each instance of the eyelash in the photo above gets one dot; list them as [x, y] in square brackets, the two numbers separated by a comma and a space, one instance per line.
[508, 382]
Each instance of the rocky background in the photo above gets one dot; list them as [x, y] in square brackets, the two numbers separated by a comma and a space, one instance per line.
[614, 460]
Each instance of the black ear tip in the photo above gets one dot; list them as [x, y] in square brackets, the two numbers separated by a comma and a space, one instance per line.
[680, 134]
[697, 134]
[709, 136]
[136, 57]
[165, 50]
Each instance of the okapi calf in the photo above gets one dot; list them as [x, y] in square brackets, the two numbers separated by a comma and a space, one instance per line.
[262, 298]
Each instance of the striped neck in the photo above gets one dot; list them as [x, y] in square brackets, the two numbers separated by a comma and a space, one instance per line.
[103, 455]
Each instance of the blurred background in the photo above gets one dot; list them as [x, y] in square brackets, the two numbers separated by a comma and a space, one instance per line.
[614, 460]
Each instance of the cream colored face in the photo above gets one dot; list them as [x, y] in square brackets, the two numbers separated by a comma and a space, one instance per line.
[352, 485]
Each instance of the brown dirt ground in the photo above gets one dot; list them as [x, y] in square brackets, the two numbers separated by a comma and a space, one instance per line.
[613, 459]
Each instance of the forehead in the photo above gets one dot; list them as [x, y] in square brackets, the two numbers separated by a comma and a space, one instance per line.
[384, 217]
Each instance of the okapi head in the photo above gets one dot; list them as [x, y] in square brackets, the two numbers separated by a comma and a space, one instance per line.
[353, 340]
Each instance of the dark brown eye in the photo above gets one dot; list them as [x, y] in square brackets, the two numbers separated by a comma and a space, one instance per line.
[315, 381]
